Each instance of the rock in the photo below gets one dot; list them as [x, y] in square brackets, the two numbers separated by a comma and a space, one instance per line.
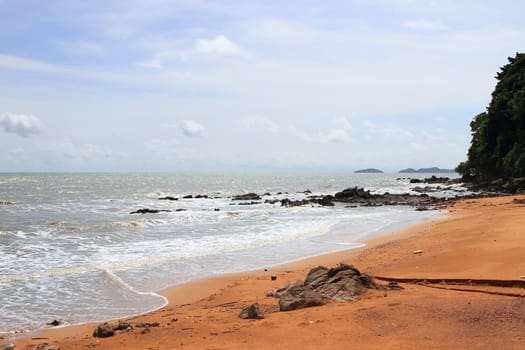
[104, 330]
[168, 198]
[45, 346]
[342, 283]
[199, 196]
[147, 325]
[10, 346]
[247, 197]
[189, 196]
[54, 323]
[393, 285]
[149, 211]
[249, 203]
[326, 201]
[252, 312]
[123, 326]
[300, 297]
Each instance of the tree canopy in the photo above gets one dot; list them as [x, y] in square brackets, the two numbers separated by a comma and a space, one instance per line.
[497, 149]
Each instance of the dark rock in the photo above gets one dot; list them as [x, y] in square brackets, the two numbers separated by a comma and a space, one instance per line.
[199, 196]
[104, 330]
[149, 211]
[180, 209]
[342, 283]
[216, 209]
[189, 196]
[326, 201]
[147, 324]
[286, 202]
[168, 198]
[249, 203]
[300, 297]
[123, 326]
[252, 312]
[45, 346]
[267, 194]
[54, 323]
[247, 197]
[393, 285]
[273, 278]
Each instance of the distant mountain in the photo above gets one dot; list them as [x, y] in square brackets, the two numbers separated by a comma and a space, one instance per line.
[433, 170]
[368, 171]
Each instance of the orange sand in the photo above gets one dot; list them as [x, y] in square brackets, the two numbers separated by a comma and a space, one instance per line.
[479, 239]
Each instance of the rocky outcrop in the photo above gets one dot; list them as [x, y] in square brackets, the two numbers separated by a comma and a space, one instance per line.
[321, 285]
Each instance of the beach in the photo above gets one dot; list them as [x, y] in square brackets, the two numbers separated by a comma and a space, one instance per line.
[478, 244]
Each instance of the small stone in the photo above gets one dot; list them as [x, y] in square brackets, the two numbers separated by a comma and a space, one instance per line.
[253, 312]
[274, 277]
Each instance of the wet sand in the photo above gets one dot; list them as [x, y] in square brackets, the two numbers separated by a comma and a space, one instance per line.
[472, 260]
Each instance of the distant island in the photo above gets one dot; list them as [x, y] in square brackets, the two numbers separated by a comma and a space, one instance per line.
[426, 170]
[368, 171]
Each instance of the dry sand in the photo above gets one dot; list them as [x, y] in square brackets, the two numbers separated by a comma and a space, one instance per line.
[482, 239]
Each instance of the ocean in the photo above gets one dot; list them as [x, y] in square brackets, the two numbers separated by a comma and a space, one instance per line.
[71, 251]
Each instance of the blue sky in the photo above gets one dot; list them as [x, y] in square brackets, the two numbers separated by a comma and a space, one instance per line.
[247, 86]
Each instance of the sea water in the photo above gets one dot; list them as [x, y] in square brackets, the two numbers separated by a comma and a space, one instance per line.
[71, 251]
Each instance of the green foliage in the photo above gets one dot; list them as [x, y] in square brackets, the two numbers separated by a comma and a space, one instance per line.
[497, 148]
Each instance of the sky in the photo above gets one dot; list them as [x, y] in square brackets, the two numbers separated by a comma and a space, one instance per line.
[247, 86]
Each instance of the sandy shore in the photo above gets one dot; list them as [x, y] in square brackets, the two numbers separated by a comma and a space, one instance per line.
[482, 239]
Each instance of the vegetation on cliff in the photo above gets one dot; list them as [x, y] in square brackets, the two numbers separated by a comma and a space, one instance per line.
[497, 149]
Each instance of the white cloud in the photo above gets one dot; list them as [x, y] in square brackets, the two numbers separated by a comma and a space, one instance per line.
[191, 128]
[426, 25]
[19, 63]
[335, 136]
[220, 45]
[256, 123]
[20, 124]
[154, 64]
[343, 123]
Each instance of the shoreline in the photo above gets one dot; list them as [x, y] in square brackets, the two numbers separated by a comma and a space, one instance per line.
[382, 255]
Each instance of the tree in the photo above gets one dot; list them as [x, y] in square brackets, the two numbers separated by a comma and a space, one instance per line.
[497, 149]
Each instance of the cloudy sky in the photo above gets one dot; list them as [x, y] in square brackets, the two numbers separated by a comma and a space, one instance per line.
[190, 85]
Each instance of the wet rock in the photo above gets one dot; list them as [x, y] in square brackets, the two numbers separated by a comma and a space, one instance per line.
[200, 196]
[168, 198]
[104, 330]
[149, 211]
[123, 326]
[252, 312]
[54, 323]
[189, 196]
[250, 203]
[247, 197]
